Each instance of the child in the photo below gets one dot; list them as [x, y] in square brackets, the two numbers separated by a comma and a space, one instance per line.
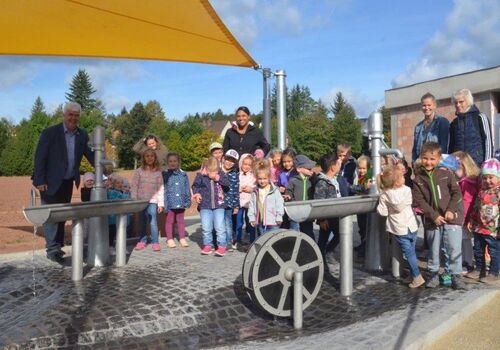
[216, 151]
[177, 199]
[266, 204]
[247, 186]
[287, 168]
[114, 193]
[439, 196]
[361, 185]
[300, 189]
[231, 194]
[88, 182]
[396, 203]
[275, 158]
[259, 154]
[484, 222]
[348, 168]
[147, 184]
[208, 193]
[329, 185]
[469, 182]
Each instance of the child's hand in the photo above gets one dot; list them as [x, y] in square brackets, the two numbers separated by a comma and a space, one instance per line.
[324, 225]
[448, 216]
[235, 211]
[197, 198]
[204, 171]
[282, 189]
[368, 184]
[469, 226]
[160, 209]
[247, 189]
[439, 220]
[252, 223]
[287, 197]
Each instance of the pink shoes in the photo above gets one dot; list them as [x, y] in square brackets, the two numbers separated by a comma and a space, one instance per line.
[221, 251]
[156, 247]
[207, 250]
[140, 245]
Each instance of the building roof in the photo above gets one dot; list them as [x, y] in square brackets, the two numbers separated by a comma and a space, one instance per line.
[219, 126]
[477, 81]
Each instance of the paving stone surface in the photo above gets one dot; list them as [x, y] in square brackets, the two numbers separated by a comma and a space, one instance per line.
[179, 299]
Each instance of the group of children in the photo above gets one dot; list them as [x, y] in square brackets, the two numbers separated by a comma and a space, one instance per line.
[457, 200]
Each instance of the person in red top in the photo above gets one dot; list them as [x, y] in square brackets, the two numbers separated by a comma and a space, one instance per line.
[484, 222]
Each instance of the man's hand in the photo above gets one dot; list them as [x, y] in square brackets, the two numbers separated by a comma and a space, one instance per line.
[448, 216]
[439, 220]
[42, 188]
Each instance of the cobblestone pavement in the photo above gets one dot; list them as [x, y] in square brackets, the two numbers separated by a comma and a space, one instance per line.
[179, 299]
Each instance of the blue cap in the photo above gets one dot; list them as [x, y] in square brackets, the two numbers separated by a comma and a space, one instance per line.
[449, 161]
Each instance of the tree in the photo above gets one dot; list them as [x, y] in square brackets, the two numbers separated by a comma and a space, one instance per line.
[300, 103]
[6, 129]
[132, 129]
[347, 129]
[339, 103]
[159, 125]
[38, 106]
[311, 135]
[81, 91]
[196, 149]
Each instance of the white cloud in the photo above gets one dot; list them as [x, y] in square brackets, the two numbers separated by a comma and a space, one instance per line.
[12, 73]
[469, 40]
[361, 103]
[116, 102]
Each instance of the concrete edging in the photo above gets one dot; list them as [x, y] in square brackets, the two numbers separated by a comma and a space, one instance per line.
[452, 322]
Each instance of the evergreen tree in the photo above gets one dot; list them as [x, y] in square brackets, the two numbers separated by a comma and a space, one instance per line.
[300, 103]
[5, 133]
[311, 135]
[339, 103]
[347, 129]
[132, 129]
[38, 106]
[196, 149]
[81, 91]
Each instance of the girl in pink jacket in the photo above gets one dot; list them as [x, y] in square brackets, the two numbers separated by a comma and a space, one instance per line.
[469, 182]
[247, 186]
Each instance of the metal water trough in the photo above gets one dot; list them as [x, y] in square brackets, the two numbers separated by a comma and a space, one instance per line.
[53, 213]
[342, 208]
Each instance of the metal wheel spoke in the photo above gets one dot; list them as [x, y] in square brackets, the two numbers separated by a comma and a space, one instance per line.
[268, 281]
[284, 292]
[296, 248]
[309, 266]
[306, 293]
[275, 256]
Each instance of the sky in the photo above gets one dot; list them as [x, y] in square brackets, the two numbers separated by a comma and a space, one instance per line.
[360, 48]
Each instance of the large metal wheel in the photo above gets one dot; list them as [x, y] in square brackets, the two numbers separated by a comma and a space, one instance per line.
[269, 262]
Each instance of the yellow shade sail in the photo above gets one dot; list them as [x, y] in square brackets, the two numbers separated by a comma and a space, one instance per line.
[172, 30]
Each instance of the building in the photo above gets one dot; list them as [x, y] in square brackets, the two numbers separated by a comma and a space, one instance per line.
[404, 103]
[219, 126]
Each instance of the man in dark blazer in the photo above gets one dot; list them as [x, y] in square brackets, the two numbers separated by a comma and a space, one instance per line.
[57, 164]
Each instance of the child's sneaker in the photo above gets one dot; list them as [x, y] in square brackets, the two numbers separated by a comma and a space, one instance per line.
[221, 251]
[457, 282]
[183, 243]
[207, 250]
[433, 282]
[230, 248]
[156, 247]
[171, 243]
[140, 245]
[445, 280]
[417, 282]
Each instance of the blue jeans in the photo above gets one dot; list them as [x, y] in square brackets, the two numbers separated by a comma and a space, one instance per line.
[407, 244]
[228, 224]
[264, 229]
[243, 215]
[304, 227]
[450, 238]
[148, 214]
[480, 243]
[210, 219]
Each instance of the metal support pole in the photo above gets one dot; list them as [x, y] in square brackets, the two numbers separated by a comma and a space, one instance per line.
[281, 107]
[121, 239]
[297, 299]
[266, 104]
[98, 242]
[77, 250]
[346, 258]
[396, 259]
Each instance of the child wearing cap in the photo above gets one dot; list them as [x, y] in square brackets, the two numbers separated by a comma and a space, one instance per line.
[300, 188]
[88, 183]
[231, 195]
[484, 222]
[216, 151]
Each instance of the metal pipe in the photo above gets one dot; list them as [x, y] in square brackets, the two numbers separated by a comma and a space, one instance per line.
[281, 107]
[297, 299]
[396, 258]
[391, 152]
[346, 257]
[77, 250]
[266, 104]
[121, 240]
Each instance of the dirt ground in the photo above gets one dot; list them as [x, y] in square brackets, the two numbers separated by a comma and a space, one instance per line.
[16, 234]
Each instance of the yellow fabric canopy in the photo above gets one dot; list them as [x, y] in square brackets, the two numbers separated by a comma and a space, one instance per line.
[172, 30]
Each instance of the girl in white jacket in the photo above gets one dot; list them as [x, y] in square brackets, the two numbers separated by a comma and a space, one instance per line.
[395, 203]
